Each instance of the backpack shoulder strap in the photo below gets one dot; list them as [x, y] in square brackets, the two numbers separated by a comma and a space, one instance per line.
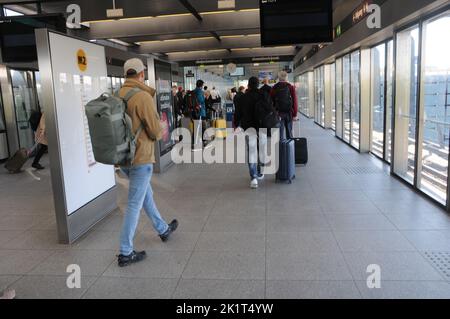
[131, 93]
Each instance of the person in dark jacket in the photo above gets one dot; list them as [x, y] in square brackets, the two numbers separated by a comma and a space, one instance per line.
[290, 114]
[237, 101]
[266, 87]
[246, 118]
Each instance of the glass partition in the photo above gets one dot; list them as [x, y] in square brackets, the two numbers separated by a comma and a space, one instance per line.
[406, 103]
[377, 97]
[25, 103]
[339, 102]
[355, 98]
[319, 97]
[434, 124]
[333, 95]
[346, 97]
[389, 100]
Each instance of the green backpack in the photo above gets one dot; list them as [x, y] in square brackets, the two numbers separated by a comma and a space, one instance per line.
[110, 127]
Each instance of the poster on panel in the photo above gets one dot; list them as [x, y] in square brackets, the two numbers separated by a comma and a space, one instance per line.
[79, 75]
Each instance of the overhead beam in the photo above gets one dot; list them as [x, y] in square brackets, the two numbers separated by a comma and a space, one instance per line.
[191, 9]
[215, 35]
[224, 22]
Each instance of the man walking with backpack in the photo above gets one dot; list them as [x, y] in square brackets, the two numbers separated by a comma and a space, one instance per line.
[285, 102]
[145, 121]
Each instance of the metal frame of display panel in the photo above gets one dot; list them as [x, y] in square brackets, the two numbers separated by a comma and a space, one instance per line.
[70, 227]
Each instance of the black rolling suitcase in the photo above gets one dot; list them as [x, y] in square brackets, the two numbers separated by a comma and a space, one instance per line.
[301, 151]
[15, 163]
[286, 169]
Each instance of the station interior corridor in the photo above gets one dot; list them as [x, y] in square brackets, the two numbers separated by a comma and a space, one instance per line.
[312, 239]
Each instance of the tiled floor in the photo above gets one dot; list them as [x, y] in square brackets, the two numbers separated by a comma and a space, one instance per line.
[312, 239]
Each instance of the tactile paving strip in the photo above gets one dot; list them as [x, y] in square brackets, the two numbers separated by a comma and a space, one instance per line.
[441, 261]
[362, 170]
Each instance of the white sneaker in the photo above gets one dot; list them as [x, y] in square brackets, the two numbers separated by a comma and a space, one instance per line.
[254, 184]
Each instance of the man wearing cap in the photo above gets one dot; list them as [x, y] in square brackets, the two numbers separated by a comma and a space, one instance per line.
[142, 110]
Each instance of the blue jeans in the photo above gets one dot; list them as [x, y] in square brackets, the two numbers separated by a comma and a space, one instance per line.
[256, 153]
[140, 195]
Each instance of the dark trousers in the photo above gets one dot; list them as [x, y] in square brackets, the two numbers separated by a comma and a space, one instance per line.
[286, 127]
[41, 149]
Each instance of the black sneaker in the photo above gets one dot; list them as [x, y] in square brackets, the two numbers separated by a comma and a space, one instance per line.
[38, 166]
[132, 258]
[172, 227]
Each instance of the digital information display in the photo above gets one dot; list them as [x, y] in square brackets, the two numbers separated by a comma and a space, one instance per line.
[79, 75]
[288, 22]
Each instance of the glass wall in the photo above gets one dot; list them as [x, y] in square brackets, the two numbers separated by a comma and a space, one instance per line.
[377, 95]
[303, 95]
[319, 95]
[25, 102]
[346, 97]
[434, 124]
[339, 99]
[406, 103]
[355, 97]
[389, 100]
[333, 95]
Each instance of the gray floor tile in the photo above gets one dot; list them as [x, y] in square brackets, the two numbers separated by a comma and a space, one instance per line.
[230, 223]
[225, 265]
[91, 262]
[189, 223]
[131, 288]
[20, 262]
[232, 241]
[292, 207]
[49, 287]
[284, 289]
[306, 266]
[359, 222]
[158, 264]
[401, 206]
[20, 222]
[407, 290]
[429, 240]
[394, 266]
[239, 207]
[98, 240]
[219, 289]
[6, 281]
[317, 242]
[7, 236]
[37, 239]
[373, 241]
[420, 221]
[349, 207]
[297, 223]
[179, 240]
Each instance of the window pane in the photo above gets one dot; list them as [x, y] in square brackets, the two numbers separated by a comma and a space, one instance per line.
[435, 108]
[378, 65]
[319, 95]
[389, 99]
[346, 96]
[25, 102]
[339, 124]
[406, 103]
[355, 98]
[333, 96]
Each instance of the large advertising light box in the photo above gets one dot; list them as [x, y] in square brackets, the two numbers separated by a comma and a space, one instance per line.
[73, 73]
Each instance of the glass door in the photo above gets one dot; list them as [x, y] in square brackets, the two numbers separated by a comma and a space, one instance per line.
[406, 103]
[346, 97]
[355, 98]
[333, 96]
[319, 100]
[377, 95]
[389, 100]
[4, 154]
[25, 102]
[434, 118]
[339, 101]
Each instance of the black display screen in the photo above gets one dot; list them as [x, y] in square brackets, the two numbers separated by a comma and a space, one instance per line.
[286, 22]
[17, 39]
